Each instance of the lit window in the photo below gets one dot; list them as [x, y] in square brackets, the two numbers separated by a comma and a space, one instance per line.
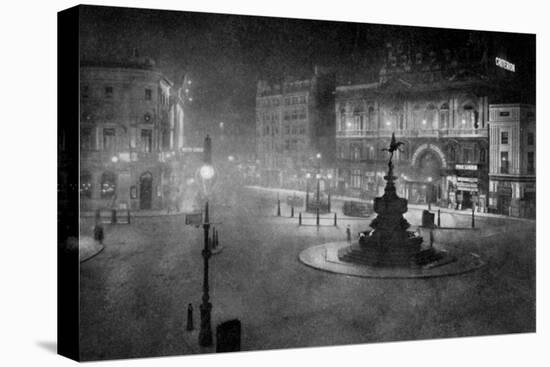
[109, 139]
[148, 94]
[504, 137]
[108, 185]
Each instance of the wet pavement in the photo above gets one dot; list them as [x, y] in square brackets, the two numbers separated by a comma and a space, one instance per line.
[134, 294]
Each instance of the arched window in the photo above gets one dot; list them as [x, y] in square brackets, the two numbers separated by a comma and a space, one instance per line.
[370, 153]
[452, 153]
[467, 117]
[85, 184]
[444, 116]
[372, 119]
[431, 117]
[108, 185]
[343, 119]
[418, 117]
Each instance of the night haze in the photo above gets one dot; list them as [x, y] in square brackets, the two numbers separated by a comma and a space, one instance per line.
[225, 55]
[231, 183]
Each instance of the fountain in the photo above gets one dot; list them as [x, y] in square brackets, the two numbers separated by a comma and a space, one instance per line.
[389, 243]
[389, 249]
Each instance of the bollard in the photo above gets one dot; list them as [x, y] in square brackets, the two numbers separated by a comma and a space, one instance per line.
[317, 216]
[335, 220]
[217, 238]
[348, 233]
[190, 325]
[439, 217]
[431, 239]
[429, 206]
[278, 207]
[300, 218]
[292, 211]
[473, 217]
[113, 216]
[329, 201]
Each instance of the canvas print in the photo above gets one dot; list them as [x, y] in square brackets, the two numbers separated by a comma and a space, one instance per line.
[247, 183]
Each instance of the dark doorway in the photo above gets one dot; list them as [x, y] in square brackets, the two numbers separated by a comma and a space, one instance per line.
[145, 190]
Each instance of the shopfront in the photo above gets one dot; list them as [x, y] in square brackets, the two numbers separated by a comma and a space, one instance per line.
[466, 188]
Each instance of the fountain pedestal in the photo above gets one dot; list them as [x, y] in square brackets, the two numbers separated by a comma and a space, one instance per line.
[389, 243]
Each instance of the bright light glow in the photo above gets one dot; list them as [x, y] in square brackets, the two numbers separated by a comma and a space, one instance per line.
[463, 122]
[308, 175]
[114, 159]
[230, 158]
[329, 176]
[221, 125]
[429, 179]
[318, 176]
[190, 99]
[190, 181]
[207, 172]
[186, 90]
[348, 124]
[388, 123]
[318, 155]
[423, 122]
[189, 82]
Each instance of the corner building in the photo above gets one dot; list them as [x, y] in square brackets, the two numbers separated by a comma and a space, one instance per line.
[131, 132]
[512, 172]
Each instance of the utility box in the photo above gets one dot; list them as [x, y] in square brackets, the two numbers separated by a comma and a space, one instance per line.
[428, 219]
[228, 336]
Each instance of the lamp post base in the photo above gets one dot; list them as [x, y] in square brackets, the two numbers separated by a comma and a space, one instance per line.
[205, 333]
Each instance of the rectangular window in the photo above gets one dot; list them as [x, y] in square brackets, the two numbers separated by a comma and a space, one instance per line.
[109, 140]
[504, 138]
[85, 139]
[530, 139]
[108, 92]
[355, 178]
[504, 162]
[531, 162]
[146, 140]
[148, 94]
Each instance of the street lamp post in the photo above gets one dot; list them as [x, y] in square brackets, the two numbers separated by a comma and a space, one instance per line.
[207, 172]
[205, 334]
[318, 177]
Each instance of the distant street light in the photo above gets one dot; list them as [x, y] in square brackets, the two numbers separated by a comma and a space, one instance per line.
[114, 159]
[207, 172]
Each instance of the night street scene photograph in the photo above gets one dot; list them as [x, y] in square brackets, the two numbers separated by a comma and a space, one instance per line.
[252, 183]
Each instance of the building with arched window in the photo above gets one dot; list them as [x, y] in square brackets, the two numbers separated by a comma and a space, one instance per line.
[439, 107]
[131, 123]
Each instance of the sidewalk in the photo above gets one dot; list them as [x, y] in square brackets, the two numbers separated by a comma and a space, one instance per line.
[140, 213]
[411, 206]
[88, 248]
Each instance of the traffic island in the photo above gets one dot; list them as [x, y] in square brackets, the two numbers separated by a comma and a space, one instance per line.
[326, 257]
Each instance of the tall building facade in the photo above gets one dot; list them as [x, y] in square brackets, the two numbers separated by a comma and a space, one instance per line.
[131, 133]
[512, 170]
[438, 105]
[294, 126]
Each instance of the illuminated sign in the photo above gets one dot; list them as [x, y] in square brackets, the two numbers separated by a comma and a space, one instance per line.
[466, 167]
[501, 63]
[192, 150]
[467, 179]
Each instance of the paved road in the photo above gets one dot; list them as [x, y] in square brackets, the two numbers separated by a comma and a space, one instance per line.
[135, 293]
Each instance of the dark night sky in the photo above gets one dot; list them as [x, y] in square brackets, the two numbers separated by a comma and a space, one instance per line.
[225, 54]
